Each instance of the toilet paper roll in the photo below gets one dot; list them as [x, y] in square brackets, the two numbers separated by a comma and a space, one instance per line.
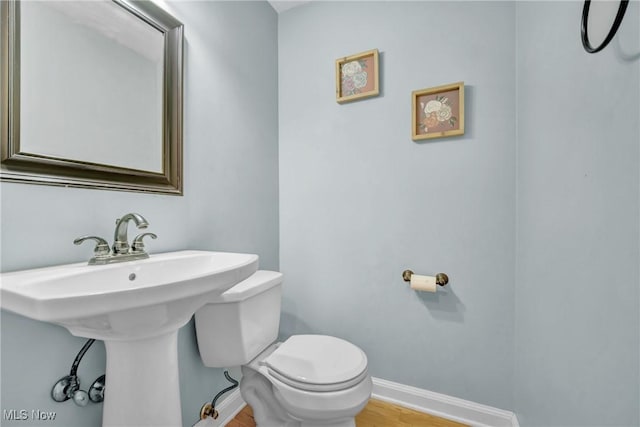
[423, 283]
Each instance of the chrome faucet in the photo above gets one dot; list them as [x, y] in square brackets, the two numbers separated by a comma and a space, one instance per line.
[121, 250]
[120, 239]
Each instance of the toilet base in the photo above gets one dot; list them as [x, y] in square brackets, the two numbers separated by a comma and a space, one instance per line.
[258, 392]
[267, 412]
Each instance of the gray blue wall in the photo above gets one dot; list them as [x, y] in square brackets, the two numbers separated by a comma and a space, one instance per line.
[577, 298]
[230, 204]
[360, 201]
[534, 212]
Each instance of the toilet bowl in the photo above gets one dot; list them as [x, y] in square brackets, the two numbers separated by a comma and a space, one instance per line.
[305, 381]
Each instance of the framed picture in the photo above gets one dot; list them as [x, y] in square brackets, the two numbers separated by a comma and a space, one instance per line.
[357, 76]
[437, 112]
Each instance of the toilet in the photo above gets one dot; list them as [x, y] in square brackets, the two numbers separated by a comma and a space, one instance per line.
[305, 381]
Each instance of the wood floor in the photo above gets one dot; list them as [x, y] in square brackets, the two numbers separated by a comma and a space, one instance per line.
[375, 414]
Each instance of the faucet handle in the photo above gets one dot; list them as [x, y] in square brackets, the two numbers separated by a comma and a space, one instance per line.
[137, 245]
[102, 247]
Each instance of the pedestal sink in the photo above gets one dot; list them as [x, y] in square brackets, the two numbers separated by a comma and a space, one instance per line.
[136, 308]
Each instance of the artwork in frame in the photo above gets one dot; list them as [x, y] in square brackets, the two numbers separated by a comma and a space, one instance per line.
[437, 112]
[357, 76]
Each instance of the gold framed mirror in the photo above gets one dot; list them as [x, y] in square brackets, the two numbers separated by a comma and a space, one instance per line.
[91, 95]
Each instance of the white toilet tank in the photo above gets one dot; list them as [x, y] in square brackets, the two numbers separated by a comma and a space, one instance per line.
[236, 326]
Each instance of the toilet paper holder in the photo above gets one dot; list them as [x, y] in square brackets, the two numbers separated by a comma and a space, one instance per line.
[441, 278]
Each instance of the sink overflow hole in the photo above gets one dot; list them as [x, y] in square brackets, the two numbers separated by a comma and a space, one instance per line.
[132, 276]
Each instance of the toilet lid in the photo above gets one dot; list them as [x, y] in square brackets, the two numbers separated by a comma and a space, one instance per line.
[317, 362]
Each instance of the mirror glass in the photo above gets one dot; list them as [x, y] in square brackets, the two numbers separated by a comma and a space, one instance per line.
[94, 93]
[105, 73]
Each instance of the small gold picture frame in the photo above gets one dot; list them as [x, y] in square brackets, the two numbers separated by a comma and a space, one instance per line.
[437, 112]
[357, 76]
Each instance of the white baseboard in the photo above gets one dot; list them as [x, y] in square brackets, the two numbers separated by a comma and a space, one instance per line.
[227, 410]
[230, 407]
[441, 405]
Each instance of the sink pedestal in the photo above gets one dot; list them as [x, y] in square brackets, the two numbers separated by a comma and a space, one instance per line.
[142, 385]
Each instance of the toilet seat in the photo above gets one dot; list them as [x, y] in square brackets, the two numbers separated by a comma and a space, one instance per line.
[317, 363]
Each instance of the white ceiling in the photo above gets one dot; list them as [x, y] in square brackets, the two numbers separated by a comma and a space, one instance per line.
[282, 5]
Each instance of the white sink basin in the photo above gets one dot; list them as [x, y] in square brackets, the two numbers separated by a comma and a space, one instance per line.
[94, 300]
[136, 307]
